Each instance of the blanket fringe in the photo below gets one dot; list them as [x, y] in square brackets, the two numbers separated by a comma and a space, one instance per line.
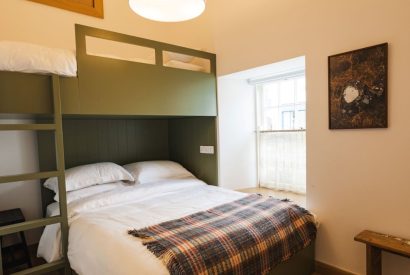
[139, 234]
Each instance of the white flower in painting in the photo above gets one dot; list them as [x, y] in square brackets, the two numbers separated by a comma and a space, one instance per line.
[350, 93]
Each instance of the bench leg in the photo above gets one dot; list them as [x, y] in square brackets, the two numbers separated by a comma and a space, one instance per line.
[373, 260]
[23, 240]
[1, 256]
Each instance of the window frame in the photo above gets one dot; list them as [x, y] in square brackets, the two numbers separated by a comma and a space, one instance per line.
[260, 111]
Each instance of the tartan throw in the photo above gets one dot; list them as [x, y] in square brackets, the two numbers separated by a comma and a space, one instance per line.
[248, 236]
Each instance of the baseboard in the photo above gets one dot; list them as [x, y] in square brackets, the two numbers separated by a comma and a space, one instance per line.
[325, 269]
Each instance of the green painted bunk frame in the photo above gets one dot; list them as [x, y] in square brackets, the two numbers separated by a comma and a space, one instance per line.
[57, 128]
[113, 87]
[149, 89]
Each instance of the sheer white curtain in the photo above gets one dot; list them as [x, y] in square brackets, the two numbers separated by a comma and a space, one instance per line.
[282, 160]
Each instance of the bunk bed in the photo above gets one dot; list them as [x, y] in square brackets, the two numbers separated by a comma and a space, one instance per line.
[120, 111]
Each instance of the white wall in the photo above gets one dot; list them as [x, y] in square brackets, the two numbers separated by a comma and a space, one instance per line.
[23, 20]
[18, 154]
[357, 179]
[236, 133]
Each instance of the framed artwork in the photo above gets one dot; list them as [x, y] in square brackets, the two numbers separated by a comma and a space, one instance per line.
[358, 88]
[89, 7]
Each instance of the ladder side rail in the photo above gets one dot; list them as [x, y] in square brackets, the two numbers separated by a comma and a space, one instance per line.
[59, 145]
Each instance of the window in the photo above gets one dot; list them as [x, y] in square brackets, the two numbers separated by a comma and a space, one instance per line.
[281, 117]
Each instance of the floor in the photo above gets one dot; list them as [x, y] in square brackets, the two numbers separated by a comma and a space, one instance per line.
[34, 260]
[297, 198]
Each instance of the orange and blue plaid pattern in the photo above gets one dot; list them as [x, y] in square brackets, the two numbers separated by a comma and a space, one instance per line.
[248, 236]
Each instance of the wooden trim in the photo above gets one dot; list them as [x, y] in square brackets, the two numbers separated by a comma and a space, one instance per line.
[44, 268]
[96, 10]
[30, 176]
[23, 226]
[385, 242]
[325, 269]
[27, 127]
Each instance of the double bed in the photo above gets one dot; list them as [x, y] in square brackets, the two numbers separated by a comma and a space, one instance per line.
[99, 242]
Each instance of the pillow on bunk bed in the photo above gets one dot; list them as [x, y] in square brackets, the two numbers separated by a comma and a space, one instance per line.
[151, 171]
[31, 58]
[89, 191]
[178, 57]
[91, 174]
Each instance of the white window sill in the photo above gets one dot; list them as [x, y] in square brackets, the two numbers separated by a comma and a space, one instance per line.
[299, 199]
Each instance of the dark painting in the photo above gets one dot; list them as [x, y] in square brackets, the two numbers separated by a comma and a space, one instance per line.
[358, 89]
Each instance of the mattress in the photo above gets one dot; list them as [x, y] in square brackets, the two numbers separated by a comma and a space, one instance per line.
[99, 224]
[31, 58]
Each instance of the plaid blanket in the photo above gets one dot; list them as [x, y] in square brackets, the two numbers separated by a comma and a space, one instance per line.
[247, 236]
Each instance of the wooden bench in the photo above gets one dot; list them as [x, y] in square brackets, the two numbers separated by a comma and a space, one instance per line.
[376, 243]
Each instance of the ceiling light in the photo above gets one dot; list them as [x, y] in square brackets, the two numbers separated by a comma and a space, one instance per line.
[168, 10]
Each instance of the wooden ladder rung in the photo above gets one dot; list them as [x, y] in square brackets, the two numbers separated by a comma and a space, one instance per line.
[27, 127]
[23, 226]
[44, 268]
[30, 176]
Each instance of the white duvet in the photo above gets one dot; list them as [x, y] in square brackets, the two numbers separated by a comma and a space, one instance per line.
[98, 239]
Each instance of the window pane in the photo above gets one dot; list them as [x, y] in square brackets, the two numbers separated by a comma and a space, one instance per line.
[270, 92]
[282, 154]
[300, 90]
[287, 120]
[282, 104]
[287, 92]
[300, 119]
[282, 161]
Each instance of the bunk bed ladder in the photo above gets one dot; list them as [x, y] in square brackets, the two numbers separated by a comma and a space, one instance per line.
[59, 173]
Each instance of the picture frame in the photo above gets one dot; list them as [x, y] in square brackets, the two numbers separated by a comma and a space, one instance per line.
[88, 7]
[358, 88]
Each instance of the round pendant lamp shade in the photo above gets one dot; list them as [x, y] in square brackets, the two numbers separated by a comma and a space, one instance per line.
[168, 10]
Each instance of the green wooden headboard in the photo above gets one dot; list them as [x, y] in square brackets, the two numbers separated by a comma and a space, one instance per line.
[124, 140]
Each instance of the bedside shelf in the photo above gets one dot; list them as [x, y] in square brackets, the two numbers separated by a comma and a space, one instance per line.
[17, 254]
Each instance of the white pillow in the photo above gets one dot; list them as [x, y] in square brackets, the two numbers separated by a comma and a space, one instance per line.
[89, 191]
[91, 174]
[179, 57]
[150, 171]
[31, 58]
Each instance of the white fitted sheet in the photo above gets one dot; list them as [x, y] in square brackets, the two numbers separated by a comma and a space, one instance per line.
[98, 239]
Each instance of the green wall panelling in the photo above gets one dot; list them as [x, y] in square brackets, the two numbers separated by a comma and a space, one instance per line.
[185, 137]
[98, 140]
[125, 140]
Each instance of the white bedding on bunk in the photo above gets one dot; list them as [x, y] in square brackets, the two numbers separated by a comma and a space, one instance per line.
[98, 239]
[31, 58]
[183, 65]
